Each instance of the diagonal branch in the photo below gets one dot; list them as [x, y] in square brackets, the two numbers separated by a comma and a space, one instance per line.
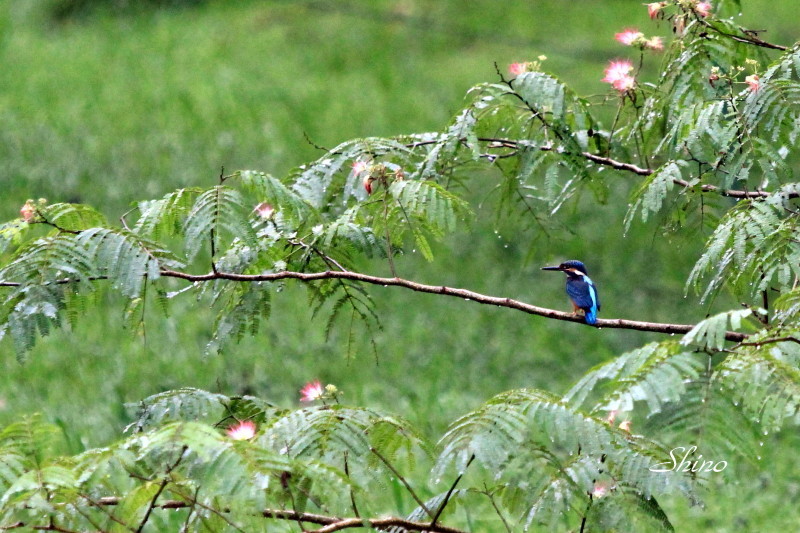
[615, 164]
[749, 37]
[617, 323]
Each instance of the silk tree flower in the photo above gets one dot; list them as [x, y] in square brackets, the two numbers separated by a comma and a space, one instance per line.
[360, 166]
[618, 75]
[625, 426]
[629, 37]
[515, 69]
[244, 430]
[600, 489]
[654, 8]
[264, 210]
[703, 9]
[753, 82]
[312, 391]
[654, 43]
[625, 84]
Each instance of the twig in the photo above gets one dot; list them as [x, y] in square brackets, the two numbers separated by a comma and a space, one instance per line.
[496, 508]
[403, 481]
[750, 39]
[788, 338]
[161, 488]
[194, 502]
[450, 492]
[352, 493]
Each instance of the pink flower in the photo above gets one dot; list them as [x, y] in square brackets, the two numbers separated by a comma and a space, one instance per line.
[264, 210]
[360, 166]
[654, 8]
[515, 69]
[625, 426]
[752, 82]
[628, 37]
[703, 9]
[616, 70]
[617, 75]
[312, 391]
[600, 489]
[654, 43]
[612, 415]
[624, 84]
[244, 430]
[27, 211]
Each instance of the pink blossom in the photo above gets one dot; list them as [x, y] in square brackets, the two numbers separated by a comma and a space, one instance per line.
[625, 426]
[27, 211]
[600, 489]
[654, 43]
[616, 70]
[612, 415]
[617, 74]
[624, 84]
[654, 8]
[752, 82]
[628, 37]
[312, 391]
[360, 166]
[703, 9]
[515, 69]
[244, 430]
[264, 210]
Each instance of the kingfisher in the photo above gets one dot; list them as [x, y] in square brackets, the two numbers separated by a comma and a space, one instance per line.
[580, 289]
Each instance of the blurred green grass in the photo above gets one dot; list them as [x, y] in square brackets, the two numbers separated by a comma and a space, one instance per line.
[112, 108]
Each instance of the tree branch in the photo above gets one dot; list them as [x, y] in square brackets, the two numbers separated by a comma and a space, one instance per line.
[329, 523]
[750, 38]
[616, 323]
[618, 165]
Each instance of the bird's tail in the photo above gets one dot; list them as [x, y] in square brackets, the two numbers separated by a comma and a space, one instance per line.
[591, 316]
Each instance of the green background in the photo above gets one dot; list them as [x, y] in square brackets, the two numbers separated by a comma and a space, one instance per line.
[111, 105]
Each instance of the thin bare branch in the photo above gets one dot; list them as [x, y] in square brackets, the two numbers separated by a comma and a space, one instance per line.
[748, 37]
[161, 488]
[329, 523]
[615, 164]
[403, 480]
[383, 523]
[617, 323]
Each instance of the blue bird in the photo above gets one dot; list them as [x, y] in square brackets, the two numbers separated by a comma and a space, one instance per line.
[580, 289]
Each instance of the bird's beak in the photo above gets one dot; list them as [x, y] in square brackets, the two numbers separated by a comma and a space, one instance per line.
[552, 268]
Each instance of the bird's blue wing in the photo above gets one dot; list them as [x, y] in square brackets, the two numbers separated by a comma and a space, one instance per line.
[579, 292]
[583, 292]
